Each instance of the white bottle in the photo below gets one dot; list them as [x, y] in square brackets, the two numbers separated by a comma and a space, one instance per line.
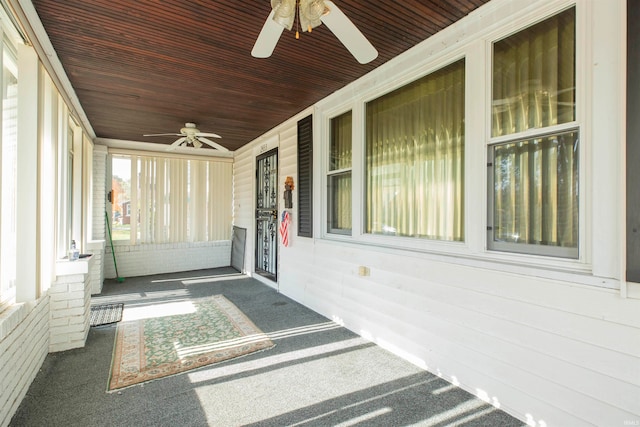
[74, 253]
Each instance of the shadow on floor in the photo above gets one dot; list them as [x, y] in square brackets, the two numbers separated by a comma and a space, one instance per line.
[318, 374]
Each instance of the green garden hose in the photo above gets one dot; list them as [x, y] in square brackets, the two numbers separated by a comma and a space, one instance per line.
[106, 217]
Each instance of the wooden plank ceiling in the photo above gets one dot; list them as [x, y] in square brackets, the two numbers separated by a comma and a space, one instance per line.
[149, 66]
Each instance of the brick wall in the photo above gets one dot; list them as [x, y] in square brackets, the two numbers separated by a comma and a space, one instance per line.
[96, 247]
[24, 343]
[70, 309]
[98, 232]
[144, 260]
[100, 184]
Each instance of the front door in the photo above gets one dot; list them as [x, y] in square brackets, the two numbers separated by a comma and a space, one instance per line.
[267, 215]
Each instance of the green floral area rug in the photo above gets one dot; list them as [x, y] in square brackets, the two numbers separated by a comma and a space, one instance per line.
[213, 330]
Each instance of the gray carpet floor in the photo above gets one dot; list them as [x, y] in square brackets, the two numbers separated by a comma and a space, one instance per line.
[318, 374]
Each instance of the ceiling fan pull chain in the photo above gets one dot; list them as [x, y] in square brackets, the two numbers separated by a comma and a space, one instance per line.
[298, 20]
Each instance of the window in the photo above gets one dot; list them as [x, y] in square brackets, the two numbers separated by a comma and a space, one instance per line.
[8, 177]
[414, 158]
[339, 176]
[534, 150]
[69, 181]
[121, 198]
[166, 199]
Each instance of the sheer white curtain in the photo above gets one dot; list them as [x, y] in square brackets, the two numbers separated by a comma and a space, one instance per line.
[180, 200]
[536, 179]
[415, 158]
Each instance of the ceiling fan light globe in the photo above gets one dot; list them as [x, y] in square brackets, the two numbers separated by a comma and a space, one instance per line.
[313, 9]
[276, 4]
[284, 12]
[310, 13]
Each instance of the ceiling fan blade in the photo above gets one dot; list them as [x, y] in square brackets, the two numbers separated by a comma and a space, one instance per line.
[210, 135]
[212, 144]
[349, 34]
[176, 143]
[163, 134]
[268, 38]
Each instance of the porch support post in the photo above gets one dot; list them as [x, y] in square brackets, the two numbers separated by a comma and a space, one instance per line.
[27, 251]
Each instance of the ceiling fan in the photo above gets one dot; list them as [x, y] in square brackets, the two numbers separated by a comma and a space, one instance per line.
[190, 136]
[312, 13]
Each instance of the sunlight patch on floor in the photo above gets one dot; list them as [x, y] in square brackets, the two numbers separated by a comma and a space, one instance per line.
[456, 411]
[303, 330]
[140, 297]
[445, 389]
[469, 418]
[212, 279]
[158, 310]
[274, 336]
[184, 352]
[270, 361]
[203, 279]
[260, 383]
[366, 417]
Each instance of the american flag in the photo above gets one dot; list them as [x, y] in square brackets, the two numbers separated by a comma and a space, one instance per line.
[284, 228]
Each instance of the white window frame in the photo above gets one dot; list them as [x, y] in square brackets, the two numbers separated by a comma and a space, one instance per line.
[358, 108]
[561, 255]
[8, 293]
[133, 224]
[338, 172]
[134, 240]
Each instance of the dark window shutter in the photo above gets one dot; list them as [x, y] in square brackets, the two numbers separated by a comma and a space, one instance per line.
[305, 177]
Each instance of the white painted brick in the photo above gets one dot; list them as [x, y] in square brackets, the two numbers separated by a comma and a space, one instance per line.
[58, 322]
[69, 312]
[23, 351]
[68, 296]
[57, 288]
[76, 303]
[78, 337]
[59, 304]
[65, 346]
[163, 258]
[7, 369]
[74, 321]
[55, 347]
[77, 287]
[58, 339]
[69, 279]
[74, 326]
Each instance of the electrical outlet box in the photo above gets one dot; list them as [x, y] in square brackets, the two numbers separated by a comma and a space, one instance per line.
[363, 271]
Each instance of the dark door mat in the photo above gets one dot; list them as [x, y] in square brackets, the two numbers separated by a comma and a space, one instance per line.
[105, 314]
